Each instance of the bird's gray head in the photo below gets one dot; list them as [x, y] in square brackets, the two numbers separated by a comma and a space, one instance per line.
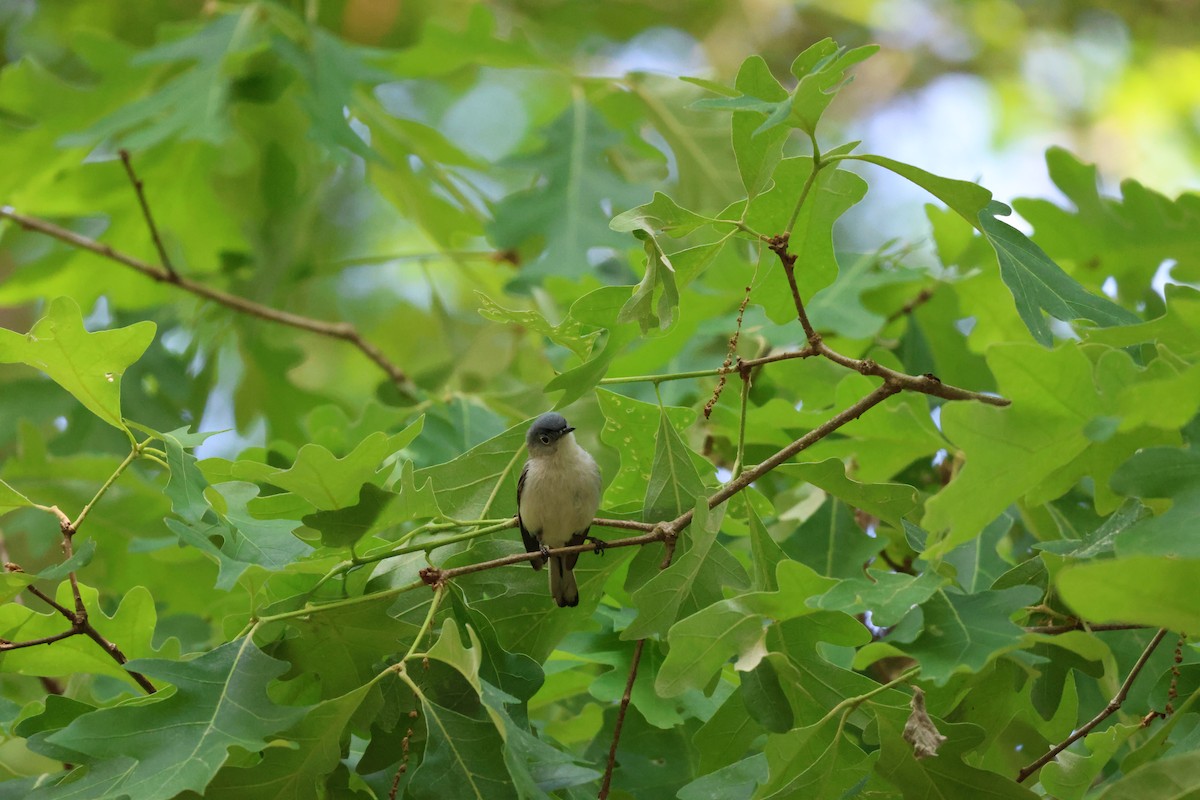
[545, 433]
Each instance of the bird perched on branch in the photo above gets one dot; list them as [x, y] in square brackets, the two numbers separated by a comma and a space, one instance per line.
[557, 497]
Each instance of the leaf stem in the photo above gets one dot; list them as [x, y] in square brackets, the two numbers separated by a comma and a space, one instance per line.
[817, 166]
[851, 703]
[438, 591]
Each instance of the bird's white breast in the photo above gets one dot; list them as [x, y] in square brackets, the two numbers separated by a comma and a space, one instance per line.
[561, 494]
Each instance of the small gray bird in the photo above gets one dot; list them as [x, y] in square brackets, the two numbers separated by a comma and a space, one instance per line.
[557, 497]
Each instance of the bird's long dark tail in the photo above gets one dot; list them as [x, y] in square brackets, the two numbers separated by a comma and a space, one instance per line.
[563, 588]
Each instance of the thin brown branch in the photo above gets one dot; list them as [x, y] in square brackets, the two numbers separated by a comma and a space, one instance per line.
[80, 623]
[6, 645]
[925, 384]
[1080, 625]
[1105, 713]
[163, 258]
[612, 752]
[50, 601]
[921, 299]
[111, 648]
[779, 246]
[335, 330]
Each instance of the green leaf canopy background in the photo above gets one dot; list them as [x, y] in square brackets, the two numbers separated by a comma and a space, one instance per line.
[879, 318]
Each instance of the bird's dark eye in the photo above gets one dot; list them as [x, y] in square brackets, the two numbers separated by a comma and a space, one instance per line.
[545, 439]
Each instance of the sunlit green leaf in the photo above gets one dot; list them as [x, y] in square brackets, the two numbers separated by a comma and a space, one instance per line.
[88, 365]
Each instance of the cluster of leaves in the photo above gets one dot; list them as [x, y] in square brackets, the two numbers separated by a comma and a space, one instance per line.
[1012, 561]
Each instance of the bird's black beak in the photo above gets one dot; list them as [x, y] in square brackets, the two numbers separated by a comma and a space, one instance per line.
[566, 430]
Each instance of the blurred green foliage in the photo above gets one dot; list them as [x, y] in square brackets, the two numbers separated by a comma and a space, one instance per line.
[521, 207]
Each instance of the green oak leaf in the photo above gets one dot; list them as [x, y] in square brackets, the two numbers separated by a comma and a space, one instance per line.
[727, 734]
[482, 480]
[1176, 777]
[565, 212]
[631, 428]
[660, 215]
[411, 502]
[186, 485]
[737, 779]
[757, 153]
[964, 632]
[517, 601]
[329, 482]
[659, 279]
[674, 484]
[1010, 451]
[948, 775]
[831, 542]
[295, 772]
[464, 757]
[568, 333]
[343, 648]
[833, 193]
[1070, 775]
[1038, 284]
[819, 760]
[659, 599]
[88, 365]
[1127, 238]
[181, 741]
[888, 501]
[702, 643]
[821, 72]
[601, 308]
[1161, 472]
[535, 765]
[1146, 590]
[887, 595]
[343, 527]
[1178, 329]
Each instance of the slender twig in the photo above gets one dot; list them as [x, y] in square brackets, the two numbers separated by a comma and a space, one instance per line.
[87, 509]
[80, 622]
[164, 259]
[336, 330]
[779, 246]
[1105, 713]
[6, 645]
[739, 461]
[624, 707]
[1080, 625]
[925, 384]
[922, 297]
[751, 363]
[438, 591]
[392, 258]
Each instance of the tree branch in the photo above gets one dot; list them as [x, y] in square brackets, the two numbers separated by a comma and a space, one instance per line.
[1080, 625]
[336, 330]
[612, 752]
[163, 258]
[1104, 714]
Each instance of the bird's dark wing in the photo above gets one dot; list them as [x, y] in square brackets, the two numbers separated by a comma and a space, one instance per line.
[531, 543]
[577, 539]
